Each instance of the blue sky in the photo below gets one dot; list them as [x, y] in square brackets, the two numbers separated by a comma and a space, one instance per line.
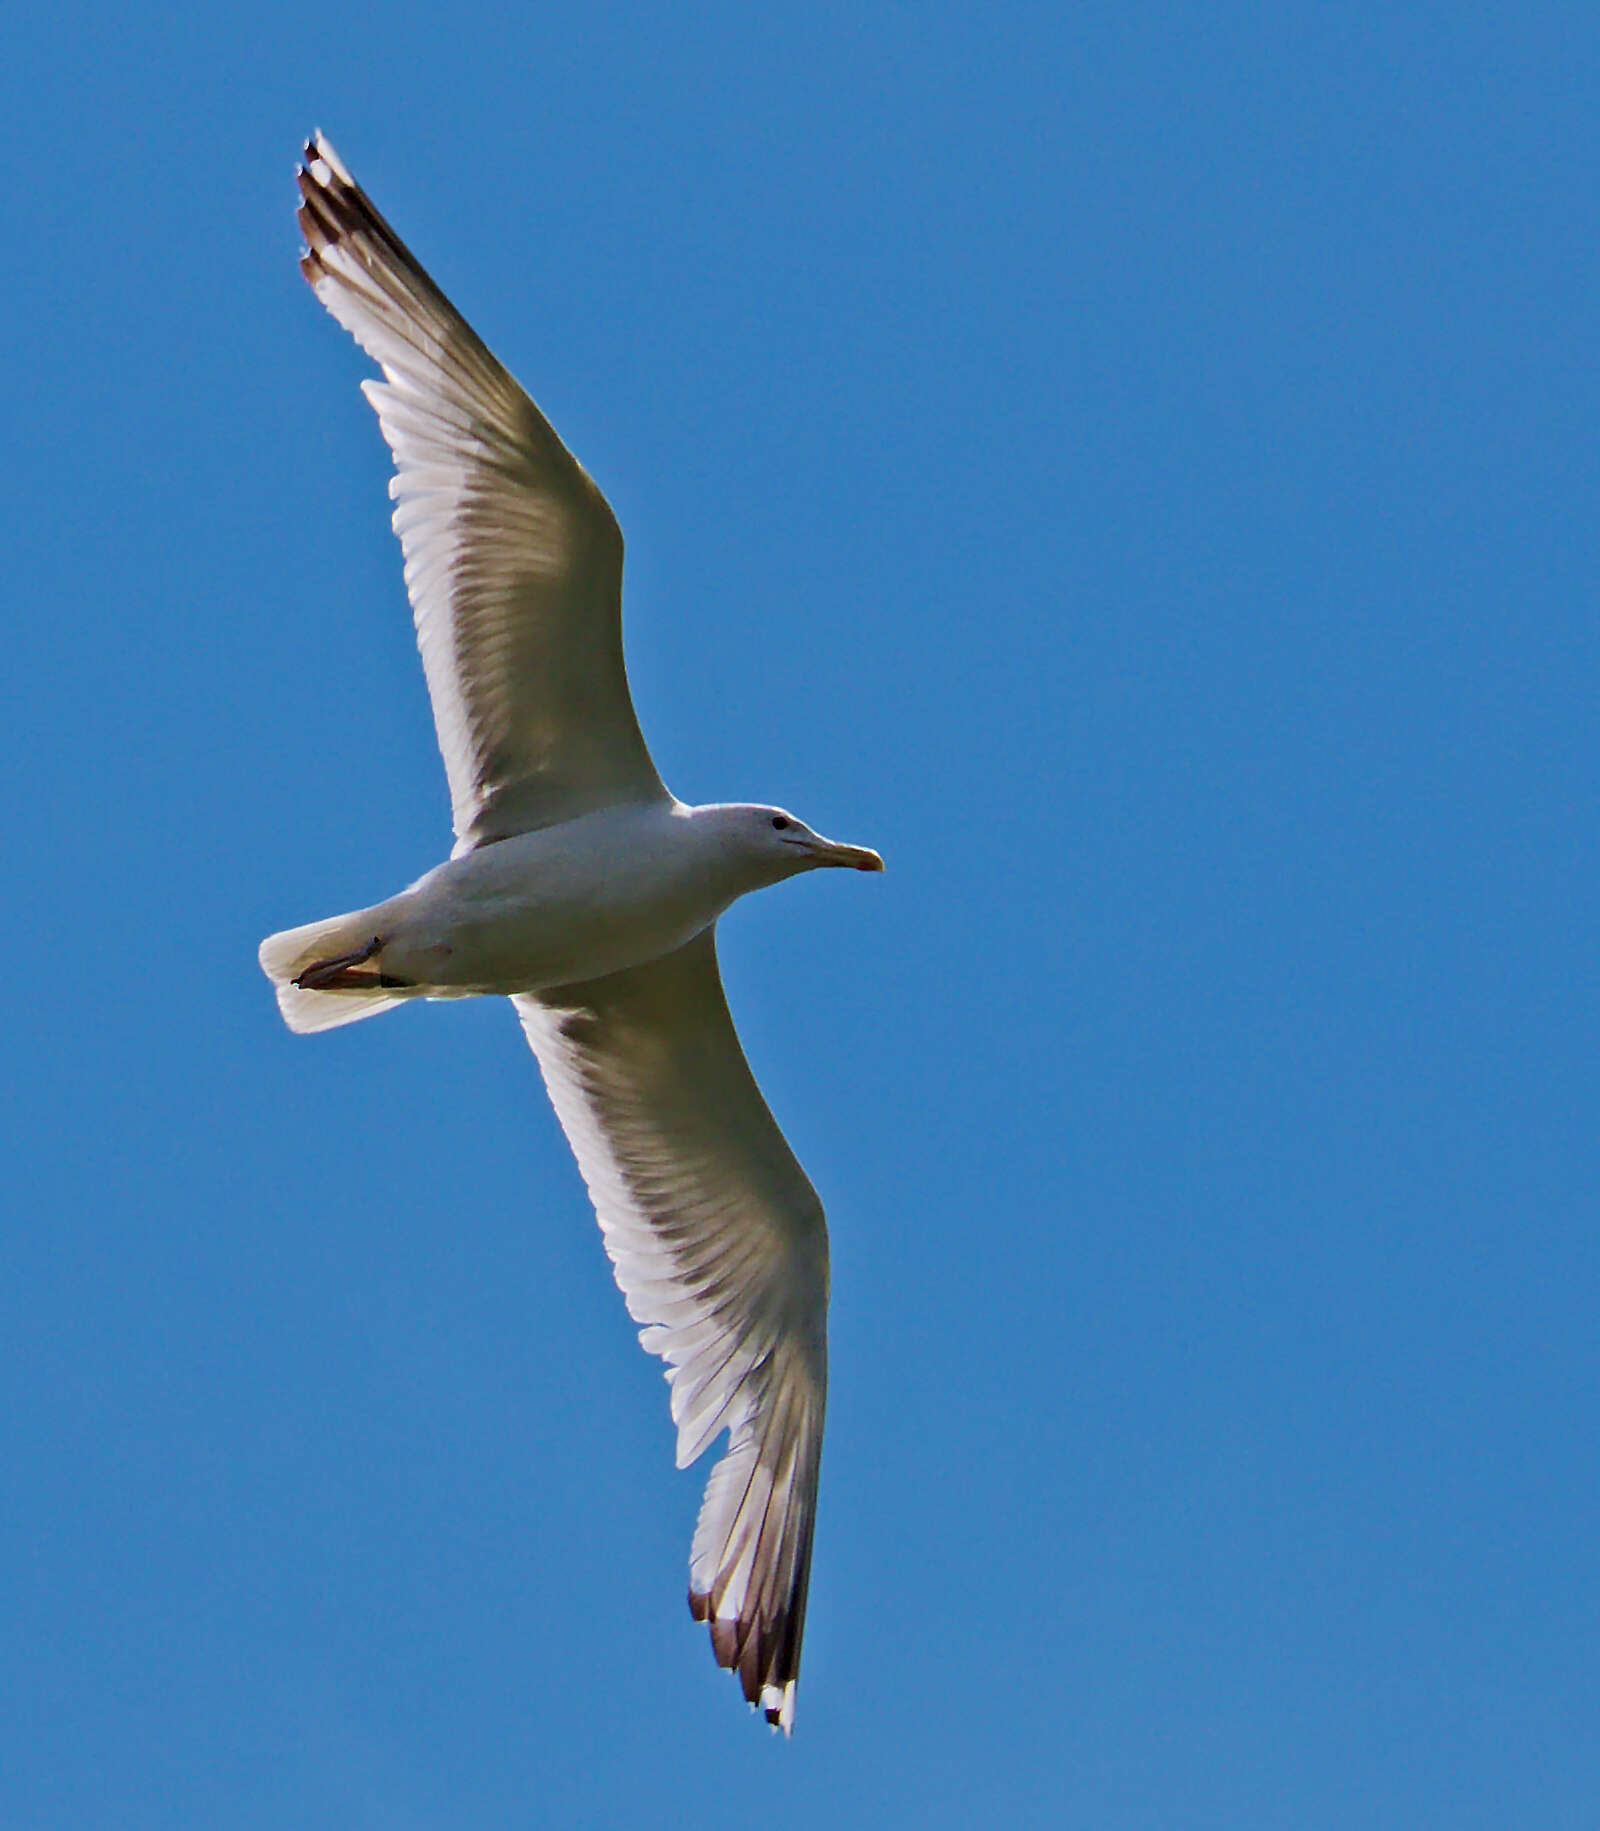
[1133, 465]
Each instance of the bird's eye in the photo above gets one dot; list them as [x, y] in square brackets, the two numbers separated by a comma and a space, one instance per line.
[780, 822]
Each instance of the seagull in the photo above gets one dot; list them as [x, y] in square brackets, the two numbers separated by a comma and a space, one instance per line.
[584, 891]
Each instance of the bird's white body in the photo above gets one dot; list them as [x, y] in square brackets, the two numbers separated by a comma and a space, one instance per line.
[547, 908]
[583, 890]
[575, 901]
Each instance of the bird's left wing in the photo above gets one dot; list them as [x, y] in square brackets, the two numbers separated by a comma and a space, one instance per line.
[719, 1245]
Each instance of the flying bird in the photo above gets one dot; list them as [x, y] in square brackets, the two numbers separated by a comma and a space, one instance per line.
[584, 891]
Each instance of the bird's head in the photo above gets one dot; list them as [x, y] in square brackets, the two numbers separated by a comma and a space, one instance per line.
[773, 844]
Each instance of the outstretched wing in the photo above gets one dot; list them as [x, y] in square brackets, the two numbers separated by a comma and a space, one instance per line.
[513, 558]
[720, 1248]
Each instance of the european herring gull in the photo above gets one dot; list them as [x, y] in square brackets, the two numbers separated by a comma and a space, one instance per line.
[584, 891]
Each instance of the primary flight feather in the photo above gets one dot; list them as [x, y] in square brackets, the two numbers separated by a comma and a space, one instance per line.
[587, 893]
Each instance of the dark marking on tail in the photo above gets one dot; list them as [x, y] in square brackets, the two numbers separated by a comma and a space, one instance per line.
[340, 973]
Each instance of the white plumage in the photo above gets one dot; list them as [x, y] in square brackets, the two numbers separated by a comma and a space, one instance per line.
[583, 889]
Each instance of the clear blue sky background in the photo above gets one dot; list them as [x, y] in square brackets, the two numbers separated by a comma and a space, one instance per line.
[1134, 464]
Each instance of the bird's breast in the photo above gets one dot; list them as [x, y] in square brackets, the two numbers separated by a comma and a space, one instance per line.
[549, 908]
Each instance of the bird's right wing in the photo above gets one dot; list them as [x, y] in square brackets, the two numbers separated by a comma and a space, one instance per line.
[720, 1247]
[513, 557]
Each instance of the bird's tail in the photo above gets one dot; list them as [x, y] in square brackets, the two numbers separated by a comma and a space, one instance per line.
[330, 972]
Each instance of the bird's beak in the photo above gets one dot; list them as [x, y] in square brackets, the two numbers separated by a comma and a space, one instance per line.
[858, 858]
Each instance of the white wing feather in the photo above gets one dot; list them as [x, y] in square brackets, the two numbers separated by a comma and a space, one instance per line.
[513, 559]
[720, 1247]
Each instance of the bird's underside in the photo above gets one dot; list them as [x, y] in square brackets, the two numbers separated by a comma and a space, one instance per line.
[513, 564]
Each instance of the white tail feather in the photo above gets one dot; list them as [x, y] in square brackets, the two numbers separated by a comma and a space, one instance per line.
[284, 956]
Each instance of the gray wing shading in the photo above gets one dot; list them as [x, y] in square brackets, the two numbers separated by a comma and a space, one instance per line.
[513, 559]
[719, 1245]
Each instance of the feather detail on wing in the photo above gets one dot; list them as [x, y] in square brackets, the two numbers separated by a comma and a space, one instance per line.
[719, 1245]
[513, 559]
